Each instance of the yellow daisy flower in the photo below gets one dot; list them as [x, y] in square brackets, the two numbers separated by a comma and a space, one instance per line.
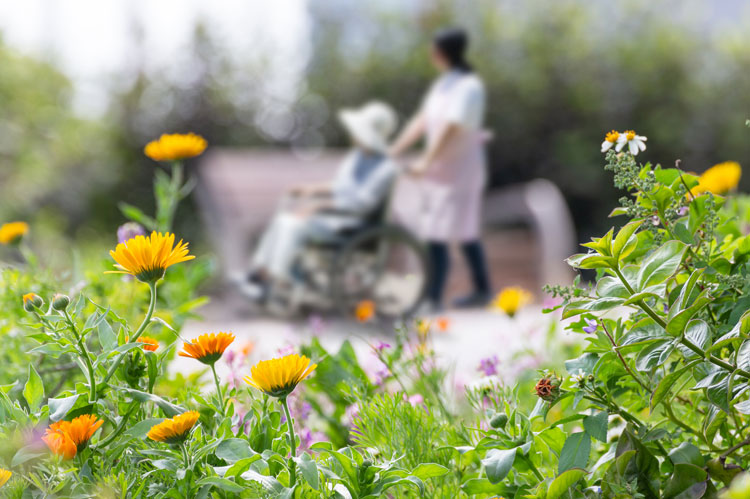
[174, 430]
[719, 179]
[4, 476]
[12, 232]
[511, 299]
[147, 258]
[279, 377]
[207, 348]
[175, 146]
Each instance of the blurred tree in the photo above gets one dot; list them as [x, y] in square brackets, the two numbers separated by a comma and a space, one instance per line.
[51, 161]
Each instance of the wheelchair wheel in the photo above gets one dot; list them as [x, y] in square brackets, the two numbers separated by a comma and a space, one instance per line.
[386, 265]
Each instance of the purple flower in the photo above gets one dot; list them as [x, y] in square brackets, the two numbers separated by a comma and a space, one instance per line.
[683, 211]
[655, 220]
[316, 324]
[128, 231]
[415, 399]
[381, 345]
[593, 325]
[488, 365]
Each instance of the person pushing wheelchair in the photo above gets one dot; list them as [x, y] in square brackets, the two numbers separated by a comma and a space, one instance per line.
[359, 188]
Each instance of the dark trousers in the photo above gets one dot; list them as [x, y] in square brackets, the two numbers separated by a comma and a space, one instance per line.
[440, 267]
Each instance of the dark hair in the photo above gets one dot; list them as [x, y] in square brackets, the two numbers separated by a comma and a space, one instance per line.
[452, 43]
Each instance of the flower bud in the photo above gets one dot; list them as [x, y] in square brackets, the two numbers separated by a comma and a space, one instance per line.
[60, 302]
[32, 301]
[499, 421]
[548, 388]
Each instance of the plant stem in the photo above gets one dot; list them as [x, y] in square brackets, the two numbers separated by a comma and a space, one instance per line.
[85, 356]
[138, 333]
[622, 359]
[218, 389]
[292, 443]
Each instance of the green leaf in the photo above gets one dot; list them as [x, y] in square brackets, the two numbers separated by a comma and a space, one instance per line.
[429, 470]
[33, 392]
[141, 428]
[585, 364]
[107, 337]
[222, 483]
[687, 453]
[661, 264]
[575, 452]
[622, 238]
[596, 426]
[653, 355]
[662, 389]
[309, 469]
[564, 482]
[676, 324]
[234, 449]
[169, 409]
[136, 215]
[698, 333]
[743, 356]
[27, 453]
[684, 478]
[59, 407]
[498, 463]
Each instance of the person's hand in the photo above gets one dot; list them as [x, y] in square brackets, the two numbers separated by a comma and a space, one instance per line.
[298, 191]
[419, 167]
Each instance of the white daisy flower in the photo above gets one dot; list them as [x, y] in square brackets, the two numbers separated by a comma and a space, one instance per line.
[635, 143]
[610, 140]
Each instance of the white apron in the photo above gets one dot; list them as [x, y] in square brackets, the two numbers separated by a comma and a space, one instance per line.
[451, 189]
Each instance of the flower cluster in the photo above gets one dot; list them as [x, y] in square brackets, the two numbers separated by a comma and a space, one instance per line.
[635, 143]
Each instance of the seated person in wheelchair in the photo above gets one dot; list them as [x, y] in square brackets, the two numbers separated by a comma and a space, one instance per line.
[361, 185]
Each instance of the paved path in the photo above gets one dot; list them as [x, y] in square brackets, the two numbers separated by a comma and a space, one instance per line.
[519, 343]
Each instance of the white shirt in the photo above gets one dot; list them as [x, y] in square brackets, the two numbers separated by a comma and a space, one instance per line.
[462, 98]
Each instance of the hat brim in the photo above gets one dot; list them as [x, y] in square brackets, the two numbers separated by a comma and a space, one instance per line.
[360, 131]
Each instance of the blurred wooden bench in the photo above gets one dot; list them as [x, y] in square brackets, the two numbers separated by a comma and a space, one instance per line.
[528, 231]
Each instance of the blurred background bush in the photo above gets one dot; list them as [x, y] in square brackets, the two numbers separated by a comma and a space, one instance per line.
[559, 75]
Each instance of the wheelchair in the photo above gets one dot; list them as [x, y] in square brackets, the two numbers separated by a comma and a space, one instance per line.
[378, 261]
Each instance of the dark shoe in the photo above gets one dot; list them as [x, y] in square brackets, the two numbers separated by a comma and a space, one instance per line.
[474, 300]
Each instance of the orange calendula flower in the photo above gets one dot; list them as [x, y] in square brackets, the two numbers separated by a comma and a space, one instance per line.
[279, 377]
[174, 430]
[4, 476]
[67, 438]
[443, 324]
[719, 179]
[175, 146]
[149, 343]
[365, 310]
[207, 348]
[247, 348]
[511, 299]
[147, 258]
[12, 232]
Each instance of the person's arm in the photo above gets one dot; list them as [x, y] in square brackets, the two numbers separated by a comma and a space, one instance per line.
[409, 136]
[445, 136]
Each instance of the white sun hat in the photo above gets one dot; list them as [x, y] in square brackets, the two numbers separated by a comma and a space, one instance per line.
[370, 125]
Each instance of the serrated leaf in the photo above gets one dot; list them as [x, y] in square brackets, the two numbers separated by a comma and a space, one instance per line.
[575, 452]
[596, 426]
